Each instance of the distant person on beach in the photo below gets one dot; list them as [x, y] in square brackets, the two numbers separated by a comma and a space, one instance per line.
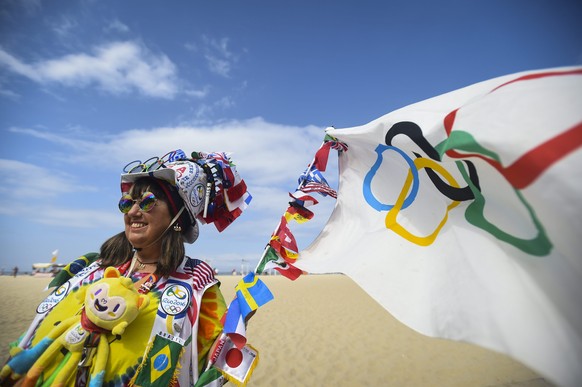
[15, 271]
[169, 341]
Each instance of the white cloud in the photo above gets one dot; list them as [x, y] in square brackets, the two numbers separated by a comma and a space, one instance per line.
[116, 68]
[191, 46]
[23, 180]
[80, 144]
[197, 93]
[17, 66]
[219, 57]
[272, 152]
[9, 94]
[65, 26]
[209, 109]
[116, 26]
[218, 65]
[61, 216]
[79, 218]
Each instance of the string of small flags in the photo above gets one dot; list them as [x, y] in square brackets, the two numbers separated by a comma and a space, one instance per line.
[279, 254]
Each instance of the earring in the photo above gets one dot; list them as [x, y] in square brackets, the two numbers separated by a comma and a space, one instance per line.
[177, 227]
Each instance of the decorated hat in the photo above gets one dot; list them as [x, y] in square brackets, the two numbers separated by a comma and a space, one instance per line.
[208, 184]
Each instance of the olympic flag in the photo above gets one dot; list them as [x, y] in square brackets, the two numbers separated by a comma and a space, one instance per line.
[462, 216]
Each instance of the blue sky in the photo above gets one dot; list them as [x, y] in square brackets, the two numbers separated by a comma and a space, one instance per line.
[87, 86]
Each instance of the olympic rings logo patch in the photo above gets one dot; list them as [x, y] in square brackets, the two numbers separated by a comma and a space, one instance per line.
[53, 298]
[175, 299]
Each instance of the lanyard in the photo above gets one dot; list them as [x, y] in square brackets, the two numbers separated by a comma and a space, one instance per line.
[143, 285]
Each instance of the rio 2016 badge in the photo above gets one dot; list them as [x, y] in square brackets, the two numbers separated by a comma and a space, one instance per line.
[175, 299]
[53, 298]
[75, 335]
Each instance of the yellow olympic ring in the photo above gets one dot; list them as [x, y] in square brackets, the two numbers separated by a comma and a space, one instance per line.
[392, 223]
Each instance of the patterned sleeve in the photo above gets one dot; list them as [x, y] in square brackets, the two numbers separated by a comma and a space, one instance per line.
[212, 310]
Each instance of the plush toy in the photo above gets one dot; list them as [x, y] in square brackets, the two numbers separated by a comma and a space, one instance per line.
[111, 304]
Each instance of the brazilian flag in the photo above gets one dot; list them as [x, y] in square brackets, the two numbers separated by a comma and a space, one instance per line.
[73, 268]
[159, 365]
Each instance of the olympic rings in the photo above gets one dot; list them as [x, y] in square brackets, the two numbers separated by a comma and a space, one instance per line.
[539, 245]
[154, 163]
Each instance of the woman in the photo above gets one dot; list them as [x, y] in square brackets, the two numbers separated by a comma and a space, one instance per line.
[168, 342]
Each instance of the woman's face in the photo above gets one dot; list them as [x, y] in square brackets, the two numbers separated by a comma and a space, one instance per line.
[144, 229]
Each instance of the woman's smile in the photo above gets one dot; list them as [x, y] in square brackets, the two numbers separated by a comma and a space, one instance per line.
[144, 229]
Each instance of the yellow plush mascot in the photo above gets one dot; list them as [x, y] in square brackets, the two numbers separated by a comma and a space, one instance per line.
[111, 304]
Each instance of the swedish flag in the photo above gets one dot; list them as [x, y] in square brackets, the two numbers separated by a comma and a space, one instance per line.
[251, 293]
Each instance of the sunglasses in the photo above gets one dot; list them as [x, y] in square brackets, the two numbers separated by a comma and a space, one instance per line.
[146, 203]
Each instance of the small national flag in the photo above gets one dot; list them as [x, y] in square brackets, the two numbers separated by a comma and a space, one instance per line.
[234, 324]
[320, 188]
[284, 242]
[288, 255]
[236, 364]
[288, 270]
[312, 174]
[251, 293]
[271, 260]
[212, 377]
[335, 143]
[159, 366]
[73, 268]
[320, 160]
[298, 213]
[303, 199]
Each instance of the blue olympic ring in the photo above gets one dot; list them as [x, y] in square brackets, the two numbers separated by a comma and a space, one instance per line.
[369, 196]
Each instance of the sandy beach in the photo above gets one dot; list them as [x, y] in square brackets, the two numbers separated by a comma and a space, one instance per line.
[323, 330]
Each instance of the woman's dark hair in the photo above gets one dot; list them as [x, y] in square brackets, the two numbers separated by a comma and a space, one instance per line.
[117, 250]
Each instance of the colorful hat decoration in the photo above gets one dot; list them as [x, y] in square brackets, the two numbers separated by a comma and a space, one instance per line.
[208, 183]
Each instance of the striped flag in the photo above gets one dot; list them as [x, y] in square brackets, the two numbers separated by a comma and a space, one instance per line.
[323, 189]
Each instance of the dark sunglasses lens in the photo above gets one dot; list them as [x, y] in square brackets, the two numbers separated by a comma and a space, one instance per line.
[125, 203]
[148, 200]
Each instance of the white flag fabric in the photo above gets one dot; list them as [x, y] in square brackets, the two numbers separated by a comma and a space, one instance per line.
[462, 216]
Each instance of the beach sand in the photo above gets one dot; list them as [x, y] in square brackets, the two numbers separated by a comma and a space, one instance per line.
[323, 330]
